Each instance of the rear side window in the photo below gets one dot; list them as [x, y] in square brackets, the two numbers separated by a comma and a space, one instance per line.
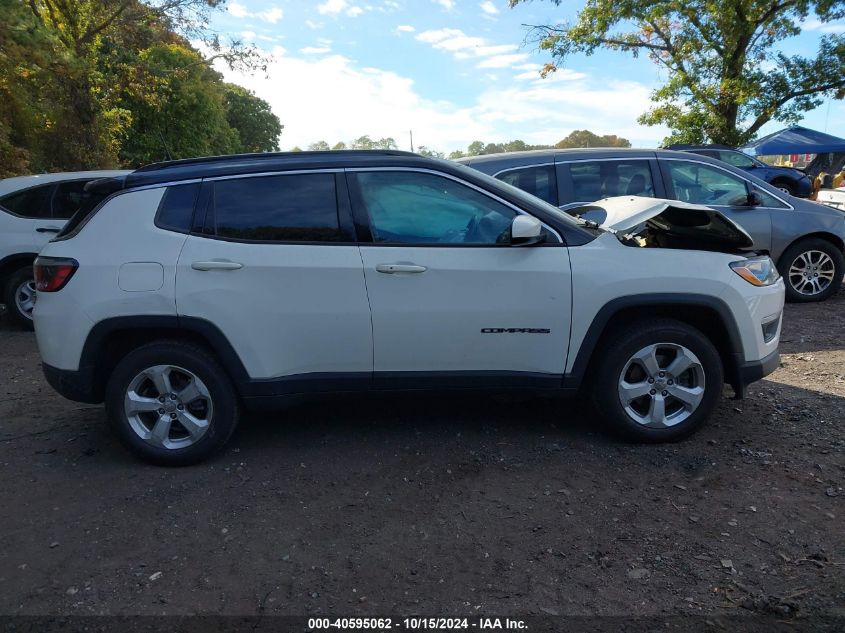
[70, 197]
[594, 180]
[539, 181]
[285, 208]
[29, 203]
[737, 159]
[176, 210]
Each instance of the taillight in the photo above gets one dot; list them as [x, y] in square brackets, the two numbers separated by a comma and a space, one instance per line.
[53, 273]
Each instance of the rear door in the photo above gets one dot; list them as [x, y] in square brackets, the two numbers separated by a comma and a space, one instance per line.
[274, 266]
[704, 183]
[452, 302]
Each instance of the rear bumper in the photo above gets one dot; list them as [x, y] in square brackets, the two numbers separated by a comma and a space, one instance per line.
[753, 371]
[78, 386]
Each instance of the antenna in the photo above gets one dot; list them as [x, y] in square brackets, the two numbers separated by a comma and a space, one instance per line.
[164, 143]
[411, 132]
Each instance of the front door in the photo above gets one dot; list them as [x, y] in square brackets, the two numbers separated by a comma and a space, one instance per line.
[451, 299]
[702, 183]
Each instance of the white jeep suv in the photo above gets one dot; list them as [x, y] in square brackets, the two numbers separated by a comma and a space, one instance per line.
[32, 210]
[201, 287]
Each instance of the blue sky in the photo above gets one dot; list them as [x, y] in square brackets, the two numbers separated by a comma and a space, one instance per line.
[453, 71]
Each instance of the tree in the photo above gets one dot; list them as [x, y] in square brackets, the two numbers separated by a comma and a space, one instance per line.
[339, 145]
[726, 75]
[257, 127]
[422, 150]
[585, 138]
[476, 148]
[456, 154]
[319, 146]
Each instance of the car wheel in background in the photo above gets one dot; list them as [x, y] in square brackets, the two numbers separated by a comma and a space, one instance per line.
[171, 403]
[784, 186]
[658, 380]
[19, 296]
[812, 270]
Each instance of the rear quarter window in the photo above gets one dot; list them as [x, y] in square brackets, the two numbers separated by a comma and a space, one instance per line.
[176, 210]
[30, 203]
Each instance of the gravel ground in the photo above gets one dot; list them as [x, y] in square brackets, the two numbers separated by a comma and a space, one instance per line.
[436, 505]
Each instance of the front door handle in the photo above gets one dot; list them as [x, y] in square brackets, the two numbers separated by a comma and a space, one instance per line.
[217, 264]
[392, 269]
[48, 229]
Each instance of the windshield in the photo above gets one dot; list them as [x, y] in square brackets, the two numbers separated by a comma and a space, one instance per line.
[524, 197]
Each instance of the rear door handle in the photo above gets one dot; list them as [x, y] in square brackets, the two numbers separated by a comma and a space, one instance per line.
[48, 229]
[217, 264]
[392, 269]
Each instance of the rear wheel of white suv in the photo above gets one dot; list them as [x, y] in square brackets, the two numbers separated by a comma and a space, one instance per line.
[171, 403]
[657, 381]
[19, 296]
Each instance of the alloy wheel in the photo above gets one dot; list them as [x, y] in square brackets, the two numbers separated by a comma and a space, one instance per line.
[811, 272]
[25, 298]
[168, 407]
[661, 385]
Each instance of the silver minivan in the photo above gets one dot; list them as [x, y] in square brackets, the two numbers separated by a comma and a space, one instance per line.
[806, 239]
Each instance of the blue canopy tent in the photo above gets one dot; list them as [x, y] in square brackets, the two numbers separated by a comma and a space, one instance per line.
[795, 140]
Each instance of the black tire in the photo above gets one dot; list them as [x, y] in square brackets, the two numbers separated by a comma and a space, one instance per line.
[194, 359]
[619, 348]
[785, 186]
[13, 282]
[793, 255]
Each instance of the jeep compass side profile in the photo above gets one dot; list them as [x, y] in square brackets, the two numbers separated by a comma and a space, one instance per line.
[202, 287]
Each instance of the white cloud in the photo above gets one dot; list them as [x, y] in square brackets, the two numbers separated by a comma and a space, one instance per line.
[503, 61]
[313, 25]
[354, 12]
[315, 50]
[248, 35]
[824, 27]
[447, 5]
[332, 7]
[271, 15]
[488, 7]
[237, 9]
[405, 28]
[382, 103]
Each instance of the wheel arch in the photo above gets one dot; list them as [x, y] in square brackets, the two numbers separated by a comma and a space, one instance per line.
[821, 235]
[706, 313]
[11, 263]
[111, 339]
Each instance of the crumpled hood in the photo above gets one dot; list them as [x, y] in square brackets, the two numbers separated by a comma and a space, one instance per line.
[626, 213]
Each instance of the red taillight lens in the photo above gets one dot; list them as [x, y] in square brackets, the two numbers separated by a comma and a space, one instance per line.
[53, 273]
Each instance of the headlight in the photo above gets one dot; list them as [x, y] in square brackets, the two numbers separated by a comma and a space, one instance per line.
[758, 271]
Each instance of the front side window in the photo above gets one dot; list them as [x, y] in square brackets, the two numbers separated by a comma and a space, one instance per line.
[284, 208]
[699, 183]
[29, 203]
[594, 180]
[420, 208]
[538, 181]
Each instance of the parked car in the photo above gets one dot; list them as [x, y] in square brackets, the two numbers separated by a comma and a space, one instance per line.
[203, 286]
[805, 238]
[32, 210]
[786, 179]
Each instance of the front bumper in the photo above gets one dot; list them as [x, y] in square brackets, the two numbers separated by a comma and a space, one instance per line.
[753, 371]
[78, 386]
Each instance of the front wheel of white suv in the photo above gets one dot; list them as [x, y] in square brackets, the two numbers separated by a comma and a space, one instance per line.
[171, 403]
[658, 380]
[19, 296]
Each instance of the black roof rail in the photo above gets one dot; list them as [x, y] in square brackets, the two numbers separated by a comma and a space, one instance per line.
[683, 146]
[260, 156]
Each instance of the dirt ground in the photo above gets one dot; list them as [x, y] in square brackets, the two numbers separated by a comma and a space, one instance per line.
[437, 506]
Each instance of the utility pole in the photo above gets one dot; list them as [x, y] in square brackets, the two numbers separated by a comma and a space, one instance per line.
[411, 132]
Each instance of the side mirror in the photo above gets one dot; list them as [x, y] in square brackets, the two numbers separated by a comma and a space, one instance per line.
[526, 231]
[754, 199]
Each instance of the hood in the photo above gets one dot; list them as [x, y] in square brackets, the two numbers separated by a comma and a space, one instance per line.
[695, 224]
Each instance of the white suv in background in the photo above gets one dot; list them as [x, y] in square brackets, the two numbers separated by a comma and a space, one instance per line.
[34, 209]
[201, 287]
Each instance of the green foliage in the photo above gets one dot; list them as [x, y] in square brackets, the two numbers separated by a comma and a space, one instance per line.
[585, 138]
[727, 72]
[90, 84]
[257, 127]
